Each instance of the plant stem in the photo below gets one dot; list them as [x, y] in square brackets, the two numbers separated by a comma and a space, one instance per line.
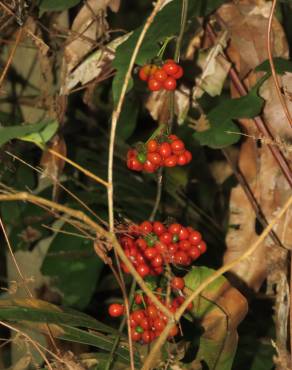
[121, 328]
[158, 194]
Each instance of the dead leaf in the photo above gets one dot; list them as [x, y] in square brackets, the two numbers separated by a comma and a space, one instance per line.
[88, 26]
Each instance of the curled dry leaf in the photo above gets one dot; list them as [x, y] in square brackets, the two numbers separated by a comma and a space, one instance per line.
[215, 68]
[93, 66]
[88, 26]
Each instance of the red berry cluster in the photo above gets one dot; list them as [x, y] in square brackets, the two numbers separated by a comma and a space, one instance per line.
[146, 320]
[153, 244]
[155, 154]
[164, 77]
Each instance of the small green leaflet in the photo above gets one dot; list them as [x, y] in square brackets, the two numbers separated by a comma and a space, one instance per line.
[281, 66]
[38, 133]
[223, 131]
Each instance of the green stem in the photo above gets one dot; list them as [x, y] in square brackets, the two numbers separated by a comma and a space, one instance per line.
[121, 328]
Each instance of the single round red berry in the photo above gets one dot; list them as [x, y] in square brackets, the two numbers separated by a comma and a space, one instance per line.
[144, 72]
[166, 238]
[138, 298]
[171, 68]
[146, 337]
[146, 227]
[135, 335]
[144, 323]
[182, 159]
[194, 252]
[202, 246]
[174, 228]
[177, 145]
[149, 166]
[152, 146]
[188, 156]
[154, 85]
[183, 233]
[137, 316]
[173, 331]
[170, 161]
[160, 75]
[169, 84]
[150, 253]
[152, 312]
[158, 228]
[157, 261]
[143, 270]
[181, 258]
[165, 150]
[154, 158]
[116, 310]
[177, 283]
[195, 237]
[185, 245]
[179, 73]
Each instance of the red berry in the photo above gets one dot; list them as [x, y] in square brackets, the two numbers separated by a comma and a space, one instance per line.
[138, 316]
[165, 150]
[157, 261]
[144, 323]
[195, 237]
[185, 245]
[141, 243]
[135, 335]
[158, 228]
[158, 270]
[171, 161]
[160, 75]
[177, 283]
[181, 258]
[194, 253]
[166, 238]
[173, 332]
[174, 228]
[150, 253]
[171, 68]
[158, 324]
[138, 298]
[131, 153]
[202, 246]
[182, 159]
[154, 158]
[172, 137]
[146, 227]
[183, 234]
[146, 337]
[149, 167]
[144, 72]
[152, 312]
[179, 73]
[177, 145]
[143, 270]
[188, 155]
[116, 310]
[154, 85]
[172, 248]
[152, 146]
[161, 248]
[169, 84]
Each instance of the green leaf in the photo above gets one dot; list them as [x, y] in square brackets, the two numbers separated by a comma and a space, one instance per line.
[73, 267]
[281, 66]
[221, 119]
[36, 310]
[39, 133]
[218, 343]
[128, 118]
[99, 341]
[43, 136]
[57, 5]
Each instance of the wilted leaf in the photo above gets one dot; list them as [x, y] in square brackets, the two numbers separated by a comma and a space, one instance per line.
[215, 68]
[220, 307]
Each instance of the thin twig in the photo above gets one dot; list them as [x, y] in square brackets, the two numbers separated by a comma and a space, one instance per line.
[272, 65]
[152, 355]
[80, 168]
[118, 110]
[11, 55]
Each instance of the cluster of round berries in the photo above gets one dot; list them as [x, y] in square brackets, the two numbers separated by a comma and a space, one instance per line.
[146, 320]
[155, 154]
[161, 78]
[152, 244]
